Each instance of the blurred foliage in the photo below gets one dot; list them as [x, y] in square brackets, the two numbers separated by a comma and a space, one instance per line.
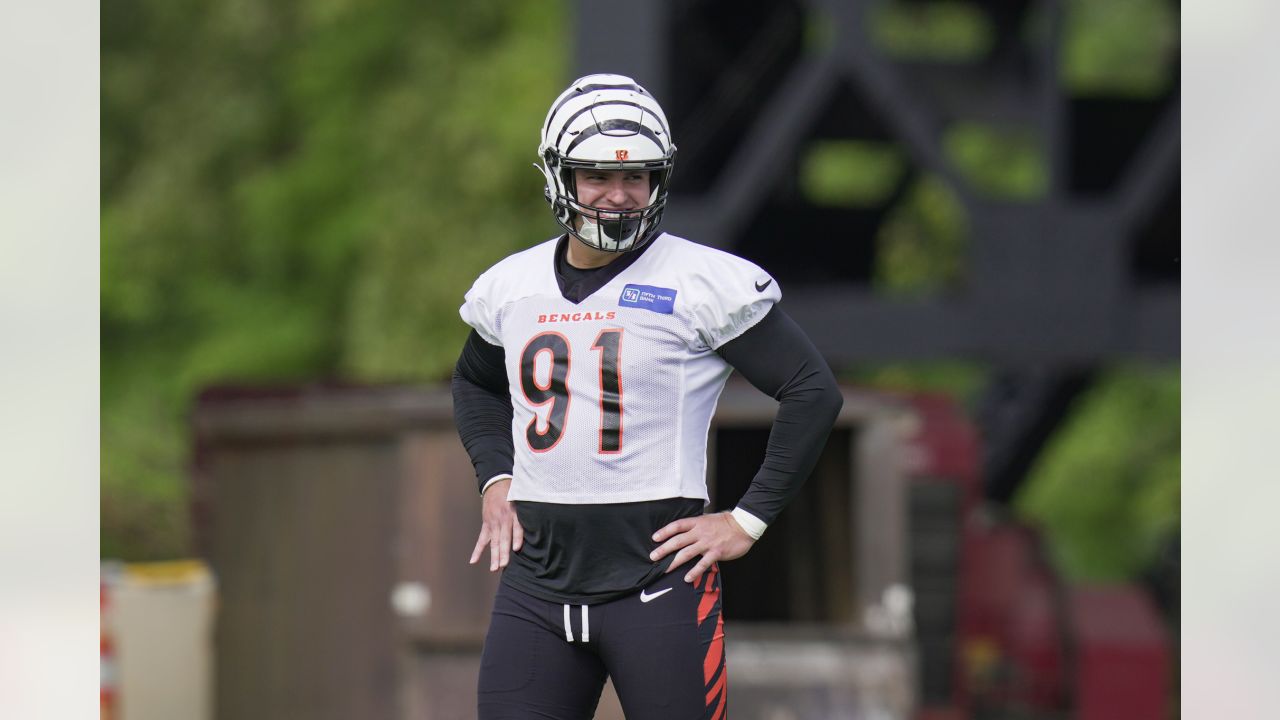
[298, 190]
[1004, 163]
[1107, 488]
[922, 246]
[940, 30]
[850, 173]
[1120, 47]
[1110, 47]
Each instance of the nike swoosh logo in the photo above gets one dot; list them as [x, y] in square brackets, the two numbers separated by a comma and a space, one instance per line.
[760, 288]
[644, 597]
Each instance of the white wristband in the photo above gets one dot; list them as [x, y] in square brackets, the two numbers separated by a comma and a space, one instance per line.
[754, 526]
[493, 480]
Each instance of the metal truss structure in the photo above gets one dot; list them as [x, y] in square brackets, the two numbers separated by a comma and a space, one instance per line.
[1054, 284]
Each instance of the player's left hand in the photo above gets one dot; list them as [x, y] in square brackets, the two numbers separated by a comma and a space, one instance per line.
[714, 537]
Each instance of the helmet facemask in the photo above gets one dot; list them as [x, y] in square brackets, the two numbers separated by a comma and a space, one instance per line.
[609, 229]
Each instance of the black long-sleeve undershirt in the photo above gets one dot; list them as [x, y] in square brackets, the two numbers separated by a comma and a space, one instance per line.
[774, 355]
[778, 359]
[482, 408]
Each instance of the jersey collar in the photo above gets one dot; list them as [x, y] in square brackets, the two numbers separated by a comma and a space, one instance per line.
[577, 285]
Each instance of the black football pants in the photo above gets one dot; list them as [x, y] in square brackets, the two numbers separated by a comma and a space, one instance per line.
[663, 647]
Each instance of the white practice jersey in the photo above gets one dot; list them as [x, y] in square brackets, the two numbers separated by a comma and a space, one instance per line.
[613, 396]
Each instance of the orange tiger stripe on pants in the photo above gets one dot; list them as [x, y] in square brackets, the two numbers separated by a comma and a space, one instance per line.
[711, 629]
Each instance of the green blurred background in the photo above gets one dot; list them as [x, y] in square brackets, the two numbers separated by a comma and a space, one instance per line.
[301, 191]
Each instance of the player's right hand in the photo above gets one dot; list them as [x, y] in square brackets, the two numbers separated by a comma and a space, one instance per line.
[500, 528]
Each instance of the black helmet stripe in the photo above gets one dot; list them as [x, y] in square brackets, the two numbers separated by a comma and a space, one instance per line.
[569, 121]
[614, 124]
[586, 89]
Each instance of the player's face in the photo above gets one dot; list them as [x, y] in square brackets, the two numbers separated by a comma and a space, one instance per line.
[613, 189]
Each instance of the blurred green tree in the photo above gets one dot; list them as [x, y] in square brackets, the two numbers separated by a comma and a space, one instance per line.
[293, 191]
[1107, 488]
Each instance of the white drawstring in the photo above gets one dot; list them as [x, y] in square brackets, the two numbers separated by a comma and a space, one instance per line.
[568, 626]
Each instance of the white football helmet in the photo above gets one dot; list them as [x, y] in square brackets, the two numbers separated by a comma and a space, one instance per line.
[606, 122]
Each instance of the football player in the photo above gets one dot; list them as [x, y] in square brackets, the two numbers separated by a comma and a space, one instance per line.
[584, 394]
